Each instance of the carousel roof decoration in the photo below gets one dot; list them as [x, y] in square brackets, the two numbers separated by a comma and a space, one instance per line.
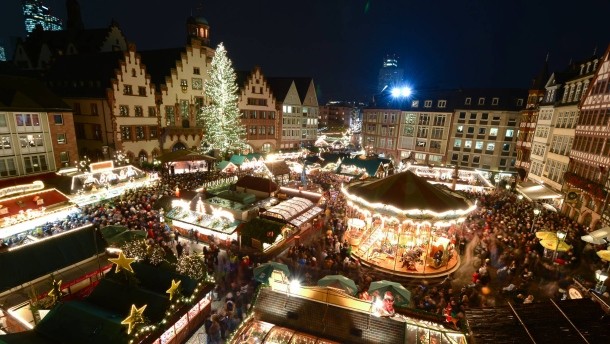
[407, 195]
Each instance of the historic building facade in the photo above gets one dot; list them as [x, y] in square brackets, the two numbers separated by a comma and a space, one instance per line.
[258, 111]
[586, 184]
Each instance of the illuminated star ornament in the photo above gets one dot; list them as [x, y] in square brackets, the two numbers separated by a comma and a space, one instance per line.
[55, 292]
[136, 316]
[174, 288]
[122, 262]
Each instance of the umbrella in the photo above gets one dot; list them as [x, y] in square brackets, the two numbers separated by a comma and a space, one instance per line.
[339, 282]
[604, 255]
[546, 235]
[402, 297]
[264, 271]
[551, 244]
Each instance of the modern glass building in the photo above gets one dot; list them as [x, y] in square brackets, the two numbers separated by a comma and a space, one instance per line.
[36, 13]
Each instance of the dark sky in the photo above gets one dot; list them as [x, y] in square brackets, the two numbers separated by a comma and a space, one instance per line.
[341, 43]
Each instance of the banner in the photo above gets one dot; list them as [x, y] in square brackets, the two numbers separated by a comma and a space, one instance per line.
[37, 185]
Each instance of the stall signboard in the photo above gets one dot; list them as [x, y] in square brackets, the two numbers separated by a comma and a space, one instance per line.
[101, 166]
[35, 186]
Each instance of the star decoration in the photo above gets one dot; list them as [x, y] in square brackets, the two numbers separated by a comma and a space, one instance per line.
[135, 317]
[122, 262]
[55, 292]
[173, 289]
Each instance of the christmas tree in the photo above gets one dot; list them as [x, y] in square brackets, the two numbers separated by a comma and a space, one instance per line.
[221, 118]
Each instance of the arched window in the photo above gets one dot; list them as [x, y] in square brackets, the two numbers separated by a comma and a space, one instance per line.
[143, 156]
[178, 146]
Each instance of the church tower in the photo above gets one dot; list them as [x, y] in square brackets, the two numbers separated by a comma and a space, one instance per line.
[199, 29]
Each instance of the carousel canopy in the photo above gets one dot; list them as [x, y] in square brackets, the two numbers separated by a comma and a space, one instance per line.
[406, 191]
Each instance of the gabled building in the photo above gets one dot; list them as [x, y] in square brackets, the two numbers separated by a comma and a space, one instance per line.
[36, 128]
[258, 111]
[528, 120]
[288, 107]
[380, 131]
[557, 118]
[309, 109]
[586, 185]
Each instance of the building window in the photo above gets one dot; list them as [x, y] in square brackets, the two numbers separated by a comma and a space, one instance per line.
[481, 101]
[478, 145]
[5, 143]
[127, 90]
[138, 111]
[169, 115]
[77, 109]
[470, 130]
[123, 110]
[520, 102]
[152, 132]
[494, 101]
[506, 147]
[64, 158]
[152, 111]
[454, 156]
[7, 167]
[493, 132]
[94, 109]
[35, 163]
[460, 129]
[30, 142]
[142, 91]
[29, 120]
[61, 139]
[462, 115]
[428, 103]
[126, 133]
[482, 131]
[468, 144]
[457, 143]
[140, 133]
[184, 85]
[415, 103]
[510, 132]
[491, 146]
[468, 101]
[196, 71]
[465, 157]
[476, 159]
[2, 120]
[484, 116]
[442, 103]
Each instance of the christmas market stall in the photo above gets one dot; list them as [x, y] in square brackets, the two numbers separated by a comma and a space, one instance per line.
[25, 208]
[404, 224]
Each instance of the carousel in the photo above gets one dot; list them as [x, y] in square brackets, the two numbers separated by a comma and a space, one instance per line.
[405, 225]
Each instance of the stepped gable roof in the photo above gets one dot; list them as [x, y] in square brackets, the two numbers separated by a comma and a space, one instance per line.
[280, 87]
[159, 63]
[407, 191]
[19, 93]
[256, 183]
[84, 75]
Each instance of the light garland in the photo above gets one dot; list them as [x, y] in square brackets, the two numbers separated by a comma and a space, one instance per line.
[191, 266]
[409, 213]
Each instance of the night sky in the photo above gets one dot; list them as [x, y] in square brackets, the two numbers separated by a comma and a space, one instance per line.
[341, 43]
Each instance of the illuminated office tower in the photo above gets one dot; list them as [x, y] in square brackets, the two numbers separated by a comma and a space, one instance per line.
[36, 13]
[390, 74]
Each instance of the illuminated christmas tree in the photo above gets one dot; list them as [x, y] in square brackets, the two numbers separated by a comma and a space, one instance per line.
[221, 118]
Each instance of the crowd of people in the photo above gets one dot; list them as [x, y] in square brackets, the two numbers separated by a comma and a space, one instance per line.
[501, 258]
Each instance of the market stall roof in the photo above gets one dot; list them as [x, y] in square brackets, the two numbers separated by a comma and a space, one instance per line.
[278, 167]
[30, 262]
[291, 208]
[406, 191]
[567, 321]
[225, 164]
[369, 164]
[535, 191]
[184, 155]
[51, 198]
[257, 184]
